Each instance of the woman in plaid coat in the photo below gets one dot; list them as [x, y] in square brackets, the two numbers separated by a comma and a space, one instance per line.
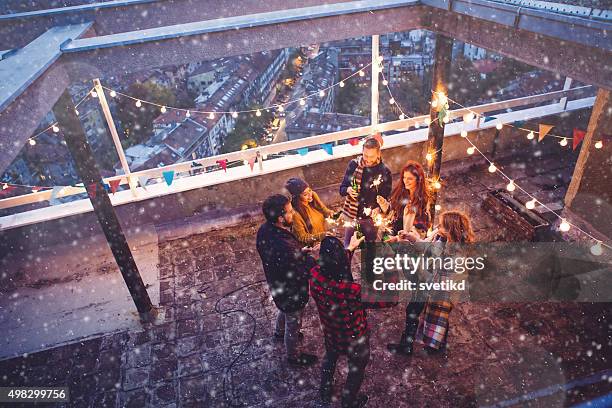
[343, 318]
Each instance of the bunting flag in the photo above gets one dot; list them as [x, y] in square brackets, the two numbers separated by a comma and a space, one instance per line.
[168, 176]
[252, 162]
[303, 151]
[223, 164]
[106, 187]
[354, 141]
[143, 181]
[329, 148]
[92, 190]
[194, 164]
[378, 137]
[543, 131]
[518, 123]
[489, 118]
[114, 185]
[578, 136]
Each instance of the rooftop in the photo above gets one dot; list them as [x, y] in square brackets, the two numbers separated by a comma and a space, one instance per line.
[208, 349]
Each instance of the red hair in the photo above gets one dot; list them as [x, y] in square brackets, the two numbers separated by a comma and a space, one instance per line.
[457, 226]
[421, 197]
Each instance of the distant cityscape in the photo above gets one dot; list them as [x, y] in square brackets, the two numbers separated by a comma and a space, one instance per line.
[250, 82]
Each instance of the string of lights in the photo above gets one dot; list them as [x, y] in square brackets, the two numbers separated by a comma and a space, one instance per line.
[564, 225]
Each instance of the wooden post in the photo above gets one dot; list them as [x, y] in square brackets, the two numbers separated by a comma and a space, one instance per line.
[90, 176]
[374, 83]
[435, 137]
[113, 131]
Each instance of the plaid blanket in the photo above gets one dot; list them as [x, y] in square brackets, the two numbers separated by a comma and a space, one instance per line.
[433, 327]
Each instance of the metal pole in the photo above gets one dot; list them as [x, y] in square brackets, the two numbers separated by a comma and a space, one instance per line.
[113, 131]
[435, 137]
[374, 66]
[567, 85]
[90, 176]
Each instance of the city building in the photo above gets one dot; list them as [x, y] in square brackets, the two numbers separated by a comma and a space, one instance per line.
[315, 123]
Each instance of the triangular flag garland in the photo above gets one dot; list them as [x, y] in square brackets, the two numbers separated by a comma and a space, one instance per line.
[114, 185]
[142, 180]
[168, 176]
[252, 162]
[489, 118]
[303, 151]
[354, 141]
[106, 187]
[543, 130]
[223, 164]
[578, 136]
[518, 123]
[378, 137]
[91, 190]
[53, 200]
[194, 164]
[329, 148]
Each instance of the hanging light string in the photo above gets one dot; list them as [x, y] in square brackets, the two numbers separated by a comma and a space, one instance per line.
[531, 133]
[494, 168]
[55, 125]
[278, 106]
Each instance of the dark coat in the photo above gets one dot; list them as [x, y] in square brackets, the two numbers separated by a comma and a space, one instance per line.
[285, 265]
[367, 193]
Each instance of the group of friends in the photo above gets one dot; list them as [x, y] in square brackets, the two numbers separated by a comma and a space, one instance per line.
[297, 228]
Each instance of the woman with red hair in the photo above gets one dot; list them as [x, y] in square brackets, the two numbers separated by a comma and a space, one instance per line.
[408, 205]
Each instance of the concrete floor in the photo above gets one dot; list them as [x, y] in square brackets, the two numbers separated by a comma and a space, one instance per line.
[214, 348]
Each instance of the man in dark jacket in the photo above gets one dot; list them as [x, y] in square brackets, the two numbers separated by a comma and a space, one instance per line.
[286, 267]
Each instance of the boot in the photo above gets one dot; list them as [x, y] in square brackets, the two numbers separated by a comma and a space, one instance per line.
[403, 347]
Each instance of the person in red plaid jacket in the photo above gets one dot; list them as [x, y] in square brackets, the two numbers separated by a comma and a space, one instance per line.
[343, 318]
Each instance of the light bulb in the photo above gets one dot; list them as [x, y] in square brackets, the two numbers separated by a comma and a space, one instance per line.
[321, 93]
[446, 119]
[385, 82]
[438, 207]
[442, 99]
[468, 117]
[113, 94]
[361, 73]
[492, 168]
[499, 126]
[530, 204]
[55, 129]
[401, 116]
[32, 142]
[564, 226]
[211, 115]
[138, 103]
[234, 115]
[428, 157]
[464, 133]
[341, 84]
[563, 142]
[77, 112]
[391, 101]
[302, 102]
[381, 58]
[163, 109]
[265, 156]
[437, 185]
[434, 103]
[598, 144]
[511, 187]
[281, 108]
[470, 150]
[597, 249]
[258, 113]
[4, 186]
[530, 135]
[188, 114]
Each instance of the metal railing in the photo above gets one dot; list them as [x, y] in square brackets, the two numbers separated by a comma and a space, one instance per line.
[186, 170]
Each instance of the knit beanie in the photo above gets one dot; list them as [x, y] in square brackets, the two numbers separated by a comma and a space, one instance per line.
[296, 186]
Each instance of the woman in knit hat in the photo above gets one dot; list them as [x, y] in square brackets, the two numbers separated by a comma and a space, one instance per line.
[309, 225]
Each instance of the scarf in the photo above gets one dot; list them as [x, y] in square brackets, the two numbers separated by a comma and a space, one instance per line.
[351, 204]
